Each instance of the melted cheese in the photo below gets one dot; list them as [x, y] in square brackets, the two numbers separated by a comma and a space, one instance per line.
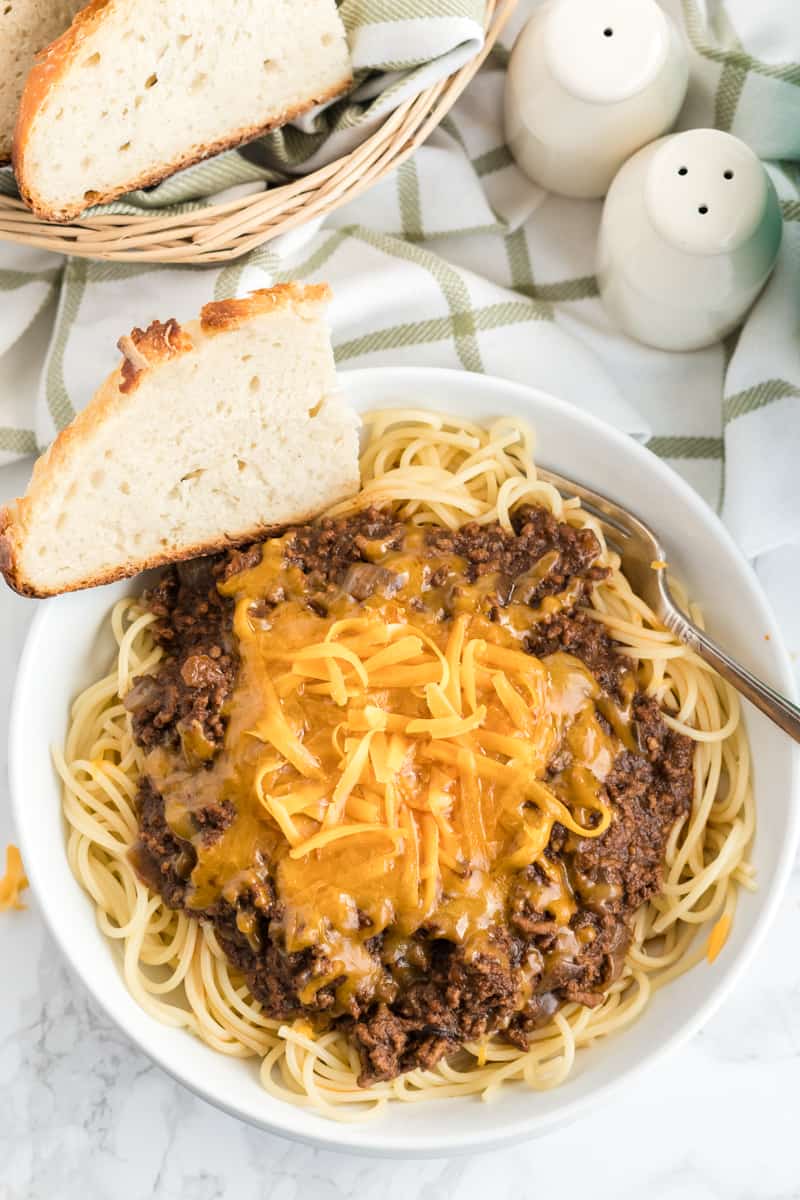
[388, 766]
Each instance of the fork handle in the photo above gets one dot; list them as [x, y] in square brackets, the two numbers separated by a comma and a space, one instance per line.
[766, 699]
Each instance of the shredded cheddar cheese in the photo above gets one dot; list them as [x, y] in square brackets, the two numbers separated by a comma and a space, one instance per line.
[14, 882]
[362, 661]
[718, 936]
[332, 835]
[389, 759]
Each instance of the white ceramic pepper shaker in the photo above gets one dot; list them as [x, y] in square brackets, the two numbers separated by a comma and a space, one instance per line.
[690, 232]
[589, 83]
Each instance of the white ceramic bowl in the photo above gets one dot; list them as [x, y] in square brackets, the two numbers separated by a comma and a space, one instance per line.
[67, 648]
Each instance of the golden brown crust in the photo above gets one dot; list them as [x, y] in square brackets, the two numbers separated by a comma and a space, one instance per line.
[158, 344]
[8, 546]
[48, 69]
[143, 348]
[230, 314]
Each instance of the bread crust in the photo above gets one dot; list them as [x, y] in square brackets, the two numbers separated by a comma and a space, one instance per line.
[134, 566]
[47, 70]
[142, 348]
[158, 345]
[230, 314]
[8, 545]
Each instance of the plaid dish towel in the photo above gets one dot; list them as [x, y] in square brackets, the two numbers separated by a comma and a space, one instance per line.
[458, 260]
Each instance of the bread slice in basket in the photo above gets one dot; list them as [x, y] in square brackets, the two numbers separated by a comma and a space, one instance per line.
[26, 27]
[206, 436]
[137, 89]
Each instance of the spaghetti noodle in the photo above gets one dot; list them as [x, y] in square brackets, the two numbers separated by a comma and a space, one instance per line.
[434, 472]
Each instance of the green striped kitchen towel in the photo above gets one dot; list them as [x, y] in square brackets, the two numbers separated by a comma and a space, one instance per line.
[457, 260]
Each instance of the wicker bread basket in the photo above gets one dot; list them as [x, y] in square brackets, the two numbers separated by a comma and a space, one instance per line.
[222, 232]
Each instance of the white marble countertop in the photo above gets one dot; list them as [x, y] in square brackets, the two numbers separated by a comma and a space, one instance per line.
[85, 1116]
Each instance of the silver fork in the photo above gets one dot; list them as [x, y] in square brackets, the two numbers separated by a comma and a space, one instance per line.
[638, 548]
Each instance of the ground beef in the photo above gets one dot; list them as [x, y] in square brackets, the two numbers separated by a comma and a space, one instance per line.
[274, 977]
[326, 549]
[579, 634]
[167, 861]
[433, 995]
[241, 558]
[242, 928]
[334, 554]
[611, 876]
[163, 860]
[199, 669]
[649, 791]
[489, 549]
[459, 1000]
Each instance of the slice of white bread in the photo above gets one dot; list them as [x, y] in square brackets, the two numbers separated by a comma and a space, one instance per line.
[206, 436]
[26, 27]
[137, 89]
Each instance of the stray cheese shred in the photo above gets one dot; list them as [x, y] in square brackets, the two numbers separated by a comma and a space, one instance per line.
[718, 936]
[14, 882]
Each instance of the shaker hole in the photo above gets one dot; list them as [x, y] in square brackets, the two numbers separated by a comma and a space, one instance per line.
[703, 209]
[608, 32]
[727, 174]
[683, 170]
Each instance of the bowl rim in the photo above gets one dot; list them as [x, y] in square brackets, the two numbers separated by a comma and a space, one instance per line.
[523, 1127]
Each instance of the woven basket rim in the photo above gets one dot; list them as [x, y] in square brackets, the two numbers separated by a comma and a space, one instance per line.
[222, 232]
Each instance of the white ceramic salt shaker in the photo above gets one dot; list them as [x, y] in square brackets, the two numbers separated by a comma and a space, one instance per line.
[690, 232]
[588, 84]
